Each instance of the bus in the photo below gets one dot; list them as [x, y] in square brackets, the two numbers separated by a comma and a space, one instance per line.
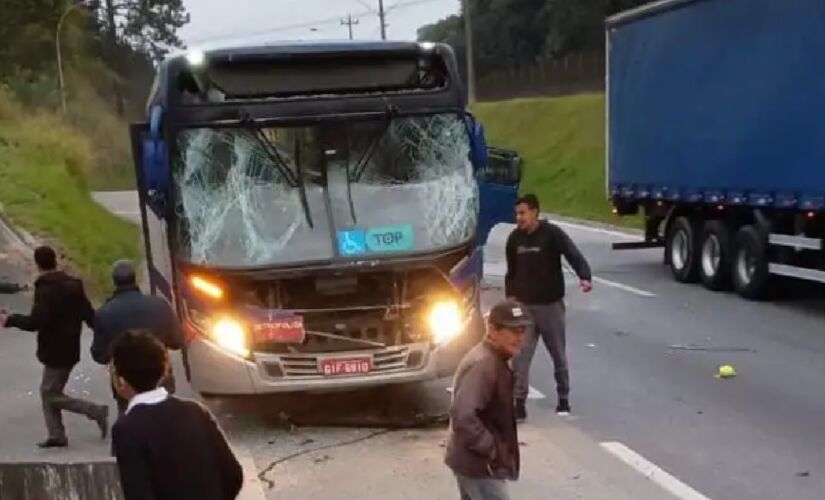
[316, 213]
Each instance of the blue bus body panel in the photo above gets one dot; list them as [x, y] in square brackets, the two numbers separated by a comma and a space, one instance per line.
[719, 101]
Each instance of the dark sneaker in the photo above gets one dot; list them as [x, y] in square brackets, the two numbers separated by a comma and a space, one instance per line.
[563, 408]
[521, 410]
[102, 422]
[53, 443]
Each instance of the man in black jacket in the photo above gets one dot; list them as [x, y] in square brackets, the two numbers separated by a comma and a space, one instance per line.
[482, 449]
[60, 308]
[535, 278]
[166, 448]
[129, 309]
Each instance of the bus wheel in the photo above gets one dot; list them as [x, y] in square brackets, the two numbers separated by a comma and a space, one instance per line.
[681, 250]
[750, 265]
[715, 257]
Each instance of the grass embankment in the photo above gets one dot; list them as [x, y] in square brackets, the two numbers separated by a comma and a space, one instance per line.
[45, 167]
[562, 144]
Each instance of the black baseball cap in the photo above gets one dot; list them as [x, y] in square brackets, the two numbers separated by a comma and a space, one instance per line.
[510, 313]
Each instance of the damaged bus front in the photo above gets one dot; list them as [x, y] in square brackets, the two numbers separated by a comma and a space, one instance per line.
[313, 212]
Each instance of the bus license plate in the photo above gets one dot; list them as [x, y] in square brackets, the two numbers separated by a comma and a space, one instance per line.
[345, 367]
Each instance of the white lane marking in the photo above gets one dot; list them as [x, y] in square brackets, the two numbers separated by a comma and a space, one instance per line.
[626, 288]
[617, 285]
[124, 212]
[582, 227]
[652, 471]
[532, 394]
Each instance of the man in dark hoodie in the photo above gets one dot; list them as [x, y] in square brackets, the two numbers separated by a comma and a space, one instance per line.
[60, 308]
[535, 278]
[129, 309]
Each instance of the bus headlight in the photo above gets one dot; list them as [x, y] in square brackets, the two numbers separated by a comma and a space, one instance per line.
[230, 334]
[445, 321]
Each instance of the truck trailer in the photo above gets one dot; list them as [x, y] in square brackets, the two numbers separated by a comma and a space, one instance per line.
[715, 133]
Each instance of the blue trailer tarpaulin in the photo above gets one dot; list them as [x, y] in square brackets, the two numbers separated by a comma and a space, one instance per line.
[718, 96]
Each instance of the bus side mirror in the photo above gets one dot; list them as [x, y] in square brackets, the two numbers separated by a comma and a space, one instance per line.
[155, 168]
[478, 142]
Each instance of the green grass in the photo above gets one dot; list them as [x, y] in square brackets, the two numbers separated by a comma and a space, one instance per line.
[44, 171]
[561, 142]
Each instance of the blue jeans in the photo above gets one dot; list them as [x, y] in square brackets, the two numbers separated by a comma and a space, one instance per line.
[481, 489]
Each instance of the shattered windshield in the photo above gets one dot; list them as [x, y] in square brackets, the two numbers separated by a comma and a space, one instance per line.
[280, 195]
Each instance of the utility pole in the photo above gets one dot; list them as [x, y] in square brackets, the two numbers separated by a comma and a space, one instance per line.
[382, 18]
[59, 52]
[349, 22]
[468, 36]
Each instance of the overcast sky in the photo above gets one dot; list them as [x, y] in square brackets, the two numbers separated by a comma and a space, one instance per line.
[223, 22]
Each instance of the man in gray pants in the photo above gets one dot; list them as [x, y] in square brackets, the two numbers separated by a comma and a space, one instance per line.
[535, 278]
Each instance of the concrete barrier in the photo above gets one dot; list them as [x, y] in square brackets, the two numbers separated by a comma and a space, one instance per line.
[98, 480]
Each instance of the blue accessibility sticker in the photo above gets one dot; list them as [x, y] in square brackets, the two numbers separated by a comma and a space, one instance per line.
[398, 238]
[352, 242]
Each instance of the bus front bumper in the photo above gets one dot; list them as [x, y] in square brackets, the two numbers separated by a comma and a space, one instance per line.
[215, 372]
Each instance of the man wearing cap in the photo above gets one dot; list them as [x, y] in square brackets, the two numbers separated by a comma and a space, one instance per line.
[535, 278]
[482, 449]
[130, 310]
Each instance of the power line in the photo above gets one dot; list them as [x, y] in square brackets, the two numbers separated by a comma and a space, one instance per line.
[307, 24]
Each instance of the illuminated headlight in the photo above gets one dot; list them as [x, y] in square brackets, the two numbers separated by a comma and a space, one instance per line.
[230, 335]
[446, 321]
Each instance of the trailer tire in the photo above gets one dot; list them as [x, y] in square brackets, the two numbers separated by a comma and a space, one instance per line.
[750, 264]
[680, 249]
[715, 256]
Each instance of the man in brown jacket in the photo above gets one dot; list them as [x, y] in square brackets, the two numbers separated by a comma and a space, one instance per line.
[482, 449]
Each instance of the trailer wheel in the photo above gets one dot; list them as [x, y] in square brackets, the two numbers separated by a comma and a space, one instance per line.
[681, 250]
[750, 265]
[715, 256]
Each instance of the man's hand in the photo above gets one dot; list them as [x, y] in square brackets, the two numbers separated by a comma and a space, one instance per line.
[586, 286]
[4, 315]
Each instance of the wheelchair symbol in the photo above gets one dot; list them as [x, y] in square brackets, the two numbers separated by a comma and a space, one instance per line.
[352, 242]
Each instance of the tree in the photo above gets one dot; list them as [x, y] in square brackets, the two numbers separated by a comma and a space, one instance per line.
[513, 33]
[149, 26]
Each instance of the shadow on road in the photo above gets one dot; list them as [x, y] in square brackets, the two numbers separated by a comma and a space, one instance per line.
[391, 407]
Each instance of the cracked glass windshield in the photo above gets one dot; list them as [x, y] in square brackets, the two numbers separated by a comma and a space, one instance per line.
[270, 196]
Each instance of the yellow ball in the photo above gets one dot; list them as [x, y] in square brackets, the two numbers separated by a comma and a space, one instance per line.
[726, 371]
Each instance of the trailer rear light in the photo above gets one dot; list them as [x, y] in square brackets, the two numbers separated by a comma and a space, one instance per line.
[811, 215]
[720, 207]
[206, 287]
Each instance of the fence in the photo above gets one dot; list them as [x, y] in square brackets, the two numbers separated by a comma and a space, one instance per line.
[573, 74]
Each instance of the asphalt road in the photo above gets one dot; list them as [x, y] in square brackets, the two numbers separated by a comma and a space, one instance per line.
[643, 351]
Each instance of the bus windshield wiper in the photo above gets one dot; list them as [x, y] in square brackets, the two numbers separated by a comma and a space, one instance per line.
[275, 157]
[302, 192]
[354, 175]
[292, 179]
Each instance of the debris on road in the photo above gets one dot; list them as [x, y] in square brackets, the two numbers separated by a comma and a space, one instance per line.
[591, 345]
[699, 348]
[726, 371]
[803, 474]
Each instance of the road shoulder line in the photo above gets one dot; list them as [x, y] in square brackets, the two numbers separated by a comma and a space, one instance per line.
[652, 471]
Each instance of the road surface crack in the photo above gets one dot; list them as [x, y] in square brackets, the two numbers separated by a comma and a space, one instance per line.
[269, 468]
